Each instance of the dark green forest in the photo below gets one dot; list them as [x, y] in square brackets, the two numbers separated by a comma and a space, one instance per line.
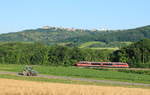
[136, 54]
[37, 53]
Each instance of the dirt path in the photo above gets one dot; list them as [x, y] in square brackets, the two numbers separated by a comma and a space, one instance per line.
[83, 79]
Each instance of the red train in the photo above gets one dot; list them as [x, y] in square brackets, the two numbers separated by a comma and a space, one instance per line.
[102, 64]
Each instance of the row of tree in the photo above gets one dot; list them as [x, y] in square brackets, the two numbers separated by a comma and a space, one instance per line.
[137, 54]
[29, 53]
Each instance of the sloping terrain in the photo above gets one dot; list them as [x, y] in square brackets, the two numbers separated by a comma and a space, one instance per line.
[98, 44]
[55, 35]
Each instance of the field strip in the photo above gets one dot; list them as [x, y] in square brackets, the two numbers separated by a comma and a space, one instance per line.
[82, 79]
[21, 87]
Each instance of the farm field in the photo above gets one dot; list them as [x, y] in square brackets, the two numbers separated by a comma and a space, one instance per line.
[106, 48]
[82, 73]
[19, 87]
[69, 81]
[84, 45]
[101, 45]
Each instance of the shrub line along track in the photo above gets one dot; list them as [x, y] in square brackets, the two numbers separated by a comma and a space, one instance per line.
[82, 79]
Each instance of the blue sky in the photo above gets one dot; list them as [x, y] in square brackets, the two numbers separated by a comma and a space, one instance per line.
[17, 15]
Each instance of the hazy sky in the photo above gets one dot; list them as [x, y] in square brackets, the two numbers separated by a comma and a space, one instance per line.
[16, 15]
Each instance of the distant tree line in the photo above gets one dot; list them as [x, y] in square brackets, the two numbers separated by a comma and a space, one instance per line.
[136, 54]
[109, 36]
[36, 53]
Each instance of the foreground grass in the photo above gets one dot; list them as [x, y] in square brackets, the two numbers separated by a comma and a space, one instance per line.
[17, 87]
[40, 79]
[82, 73]
[66, 81]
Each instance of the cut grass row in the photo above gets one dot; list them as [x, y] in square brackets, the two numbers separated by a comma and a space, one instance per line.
[82, 73]
[66, 81]
[128, 70]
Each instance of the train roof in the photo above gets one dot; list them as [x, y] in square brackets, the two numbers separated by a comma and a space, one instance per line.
[102, 62]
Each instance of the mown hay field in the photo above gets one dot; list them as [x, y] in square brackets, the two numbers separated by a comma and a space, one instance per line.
[20, 87]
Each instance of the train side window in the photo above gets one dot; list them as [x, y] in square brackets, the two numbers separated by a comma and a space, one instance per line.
[83, 63]
[95, 63]
[107, 63]
[118, 64]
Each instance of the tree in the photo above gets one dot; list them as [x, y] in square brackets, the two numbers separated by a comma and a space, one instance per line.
[137, 54]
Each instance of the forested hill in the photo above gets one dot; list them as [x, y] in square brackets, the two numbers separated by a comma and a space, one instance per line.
[52, 35]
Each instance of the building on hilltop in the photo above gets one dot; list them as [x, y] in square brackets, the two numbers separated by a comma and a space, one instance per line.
[46, 27]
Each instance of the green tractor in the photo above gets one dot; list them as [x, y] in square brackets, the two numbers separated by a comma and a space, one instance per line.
[28, 71]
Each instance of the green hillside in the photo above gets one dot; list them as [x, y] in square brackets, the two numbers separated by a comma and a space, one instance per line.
[102, 45]
[87, 44]
[76, 37]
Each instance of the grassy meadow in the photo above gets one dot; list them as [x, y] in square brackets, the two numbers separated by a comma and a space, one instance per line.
[82, 73]
[105, 48]
[86, 44]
